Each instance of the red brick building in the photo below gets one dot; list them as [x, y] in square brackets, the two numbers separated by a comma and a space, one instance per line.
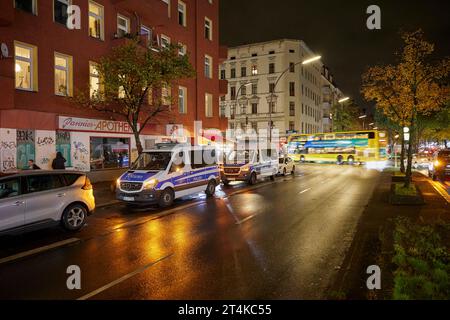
[40, 55]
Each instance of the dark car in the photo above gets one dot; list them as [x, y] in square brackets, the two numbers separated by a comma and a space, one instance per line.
[440, 166]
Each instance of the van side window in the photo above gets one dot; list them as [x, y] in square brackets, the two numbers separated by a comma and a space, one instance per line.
[37, 183]
[9, 188]
[70, 179]
[178, 162]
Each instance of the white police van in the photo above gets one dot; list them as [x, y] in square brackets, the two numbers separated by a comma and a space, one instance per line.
[249, 165]
[169, 172]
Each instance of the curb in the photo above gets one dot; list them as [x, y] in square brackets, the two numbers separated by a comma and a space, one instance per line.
[107, 204]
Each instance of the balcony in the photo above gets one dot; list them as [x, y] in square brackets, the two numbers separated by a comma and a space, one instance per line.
[326, 90]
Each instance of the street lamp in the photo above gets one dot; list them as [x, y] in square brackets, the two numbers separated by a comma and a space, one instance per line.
[303, 62]
[339, 113]
[363, 117]
[344, 99]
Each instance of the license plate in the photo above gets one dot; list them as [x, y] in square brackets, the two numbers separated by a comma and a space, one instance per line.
[128, 198]
[231, 179]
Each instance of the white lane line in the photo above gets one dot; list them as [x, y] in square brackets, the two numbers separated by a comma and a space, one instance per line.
[306, 190]
[123, 278]
[38, 250]
[246, 219]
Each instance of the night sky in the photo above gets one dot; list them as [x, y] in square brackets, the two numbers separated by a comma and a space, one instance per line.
[337, 30]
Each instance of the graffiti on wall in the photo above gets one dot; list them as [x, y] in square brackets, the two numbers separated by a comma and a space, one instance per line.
[8, 149]
[45, 148]
[63, 146]
[80, 156]
[25, 148]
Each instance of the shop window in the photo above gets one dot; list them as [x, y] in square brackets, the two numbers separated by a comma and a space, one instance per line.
[109, 153]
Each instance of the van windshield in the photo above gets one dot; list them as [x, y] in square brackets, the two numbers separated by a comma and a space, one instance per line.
[152, 161]
[240, 156]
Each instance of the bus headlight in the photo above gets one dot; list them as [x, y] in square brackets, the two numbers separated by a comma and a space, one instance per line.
[150, 184]
[245, 169]
[437, 163]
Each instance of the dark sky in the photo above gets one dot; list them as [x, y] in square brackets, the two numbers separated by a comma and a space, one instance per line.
[337, 30]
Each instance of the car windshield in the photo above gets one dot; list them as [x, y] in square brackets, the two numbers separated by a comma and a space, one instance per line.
[240, 156]
[153, 161]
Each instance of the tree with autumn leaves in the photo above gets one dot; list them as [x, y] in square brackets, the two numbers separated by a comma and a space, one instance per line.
[134, 84]
[412, 88]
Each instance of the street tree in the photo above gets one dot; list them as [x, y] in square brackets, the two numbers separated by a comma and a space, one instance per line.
[345, 116]
[411, 87]
[134, 85]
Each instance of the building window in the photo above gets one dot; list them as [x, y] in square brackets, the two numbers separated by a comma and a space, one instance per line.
[254, 108]
[271, 67]
[182, 103]
[292, 109]
[60, 11]
[63, 74]
[291, 67]
[25, 66]
[291, 126]
[233, 93]
[292, 89]
[109, 153]
[208, 29]
[254, 70]
[208, 105]
[147, 33]
[96, 21]
[233, 73]
[272, 107]
[244, 91]
[272, 52]
[123, 26]
[223, 74]
[254, 88]
[182, 51]
[182, 13]
[271, 87]
[208, 67]
[94, 80]
[26, 5]
[165, 41]
[243, 71]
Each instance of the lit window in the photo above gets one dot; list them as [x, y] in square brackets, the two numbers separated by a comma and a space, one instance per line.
[123, 26]
[94, 80]
[182, 13]
[96, 21]
[182, 50]
[62, 74]
[166, 95]
[208, 105]
[208, 67]
[26, 5]
[254, 70]
[182, 95]
[25, 66]
[208, 29]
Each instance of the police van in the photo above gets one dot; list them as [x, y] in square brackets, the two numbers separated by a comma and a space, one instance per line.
[169, 172]
[249, 165]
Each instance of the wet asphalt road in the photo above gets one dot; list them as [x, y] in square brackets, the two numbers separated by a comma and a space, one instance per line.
[278, 240]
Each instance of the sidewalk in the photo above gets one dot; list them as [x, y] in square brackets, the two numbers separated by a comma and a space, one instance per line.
[103, 194]
[372, 244]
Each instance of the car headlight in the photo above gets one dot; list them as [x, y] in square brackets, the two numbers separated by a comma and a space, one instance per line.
[437, 163]
[118, 183]
[150, 184]
[245, 169]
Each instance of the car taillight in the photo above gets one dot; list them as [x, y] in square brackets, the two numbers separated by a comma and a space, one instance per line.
[87, 184]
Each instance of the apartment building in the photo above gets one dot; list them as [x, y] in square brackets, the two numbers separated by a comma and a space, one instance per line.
[43, 61]
[268, 84]
[330, 97]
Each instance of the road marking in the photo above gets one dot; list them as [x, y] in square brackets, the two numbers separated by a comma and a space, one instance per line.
[123, 278]
[441, 190]
[39, 250]
[306, 190]
[246, 219]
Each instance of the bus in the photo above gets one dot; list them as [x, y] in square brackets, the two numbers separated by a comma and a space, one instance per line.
[349, 147]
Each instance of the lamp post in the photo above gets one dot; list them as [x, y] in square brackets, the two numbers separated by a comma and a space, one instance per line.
[341, 111]
[272, 93]
[234, 102]
[363, 117]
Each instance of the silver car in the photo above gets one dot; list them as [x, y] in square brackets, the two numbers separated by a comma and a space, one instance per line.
[37, 199]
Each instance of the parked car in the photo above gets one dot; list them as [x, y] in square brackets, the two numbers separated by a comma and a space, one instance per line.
[286, 165]
[36, 199]
[440, 166]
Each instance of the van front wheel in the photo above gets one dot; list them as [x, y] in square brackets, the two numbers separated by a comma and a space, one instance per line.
[211, 188]
[166, 198]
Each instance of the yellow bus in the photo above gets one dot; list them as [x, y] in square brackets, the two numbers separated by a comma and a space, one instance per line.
[350, 147]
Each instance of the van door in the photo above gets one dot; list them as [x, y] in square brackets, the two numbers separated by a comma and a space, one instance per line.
[179, 170]
[12, 205]
[45, 197]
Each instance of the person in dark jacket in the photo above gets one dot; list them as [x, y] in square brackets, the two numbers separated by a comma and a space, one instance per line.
[32, 165]
[59, 162]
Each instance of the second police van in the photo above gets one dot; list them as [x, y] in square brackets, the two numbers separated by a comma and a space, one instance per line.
[249, 165]
[169, 172]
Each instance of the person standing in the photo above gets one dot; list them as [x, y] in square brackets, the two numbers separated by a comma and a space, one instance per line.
[59, 163]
